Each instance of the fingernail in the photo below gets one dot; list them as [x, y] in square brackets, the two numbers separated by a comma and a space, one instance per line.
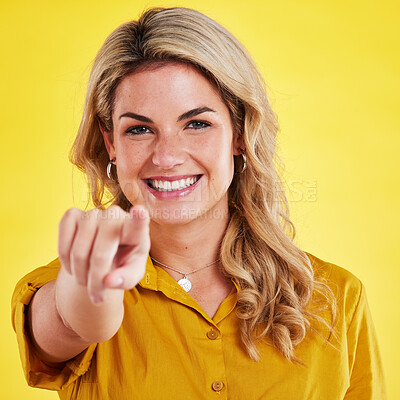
[97, 299]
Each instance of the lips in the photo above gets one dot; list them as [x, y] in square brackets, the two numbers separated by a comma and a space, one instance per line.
[171, 184]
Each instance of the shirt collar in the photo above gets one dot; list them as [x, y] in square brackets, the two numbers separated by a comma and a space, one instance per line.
[155, 278]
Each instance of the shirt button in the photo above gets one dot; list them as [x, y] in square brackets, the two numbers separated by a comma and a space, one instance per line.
[217, 386]
[212, 335]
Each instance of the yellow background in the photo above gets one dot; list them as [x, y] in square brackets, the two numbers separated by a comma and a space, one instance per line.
[333, 72]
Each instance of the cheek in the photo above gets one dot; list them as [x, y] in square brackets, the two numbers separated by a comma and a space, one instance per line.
[130, 186]
[220, 163]
[129, 162]
[222, 152]
[218, 142]
[130, 156]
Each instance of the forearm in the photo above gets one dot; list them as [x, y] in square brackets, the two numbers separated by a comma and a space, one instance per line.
[92, 322]
[63, 321]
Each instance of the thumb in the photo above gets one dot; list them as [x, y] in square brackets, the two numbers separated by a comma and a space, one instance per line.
[133, 251]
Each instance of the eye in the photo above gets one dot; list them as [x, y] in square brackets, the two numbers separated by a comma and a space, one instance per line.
[137, 130]
[198, 125]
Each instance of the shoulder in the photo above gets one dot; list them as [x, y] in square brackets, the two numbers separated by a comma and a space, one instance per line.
[348, 290]
[338, 278]
[30, 283]
[41, 275]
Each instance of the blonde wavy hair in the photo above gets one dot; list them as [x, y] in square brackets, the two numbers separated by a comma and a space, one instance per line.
[275, 277]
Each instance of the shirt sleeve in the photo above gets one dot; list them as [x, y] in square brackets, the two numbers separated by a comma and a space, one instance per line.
[37, 373]
[365, 366]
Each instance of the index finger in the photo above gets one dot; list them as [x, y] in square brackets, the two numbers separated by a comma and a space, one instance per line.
[135, 227]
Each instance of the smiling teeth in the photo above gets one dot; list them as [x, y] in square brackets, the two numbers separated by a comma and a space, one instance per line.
[169, 186]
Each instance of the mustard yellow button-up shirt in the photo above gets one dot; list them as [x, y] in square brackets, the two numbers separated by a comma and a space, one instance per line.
[169, 348]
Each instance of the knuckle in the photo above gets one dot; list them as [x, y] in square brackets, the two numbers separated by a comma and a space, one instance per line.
[69, 215]
[114, 207]
[114, 212]
[99, 258]
[93, 214]
[131, 279]
[72, 213]
[129, 284]
[110, 228]
[63, 254]
[79, 255]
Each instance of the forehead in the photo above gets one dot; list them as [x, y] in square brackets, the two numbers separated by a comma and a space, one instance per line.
[172, 83]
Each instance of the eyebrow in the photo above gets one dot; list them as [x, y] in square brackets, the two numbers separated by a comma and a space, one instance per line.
[194, 112]
[186, 115]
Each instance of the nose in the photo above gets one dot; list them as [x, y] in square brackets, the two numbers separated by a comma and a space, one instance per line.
[168, 152]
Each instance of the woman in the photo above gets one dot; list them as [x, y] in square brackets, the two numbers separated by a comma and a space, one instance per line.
[189, 285]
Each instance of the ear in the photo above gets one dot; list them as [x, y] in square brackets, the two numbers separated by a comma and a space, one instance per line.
[238, 144]
[108, 141]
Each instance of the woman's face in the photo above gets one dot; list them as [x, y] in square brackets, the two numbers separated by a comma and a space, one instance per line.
[173, 143]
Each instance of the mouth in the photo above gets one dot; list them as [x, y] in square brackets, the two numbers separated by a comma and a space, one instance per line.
[163, 185]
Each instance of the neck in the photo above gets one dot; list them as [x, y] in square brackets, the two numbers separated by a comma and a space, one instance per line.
[188, 246]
